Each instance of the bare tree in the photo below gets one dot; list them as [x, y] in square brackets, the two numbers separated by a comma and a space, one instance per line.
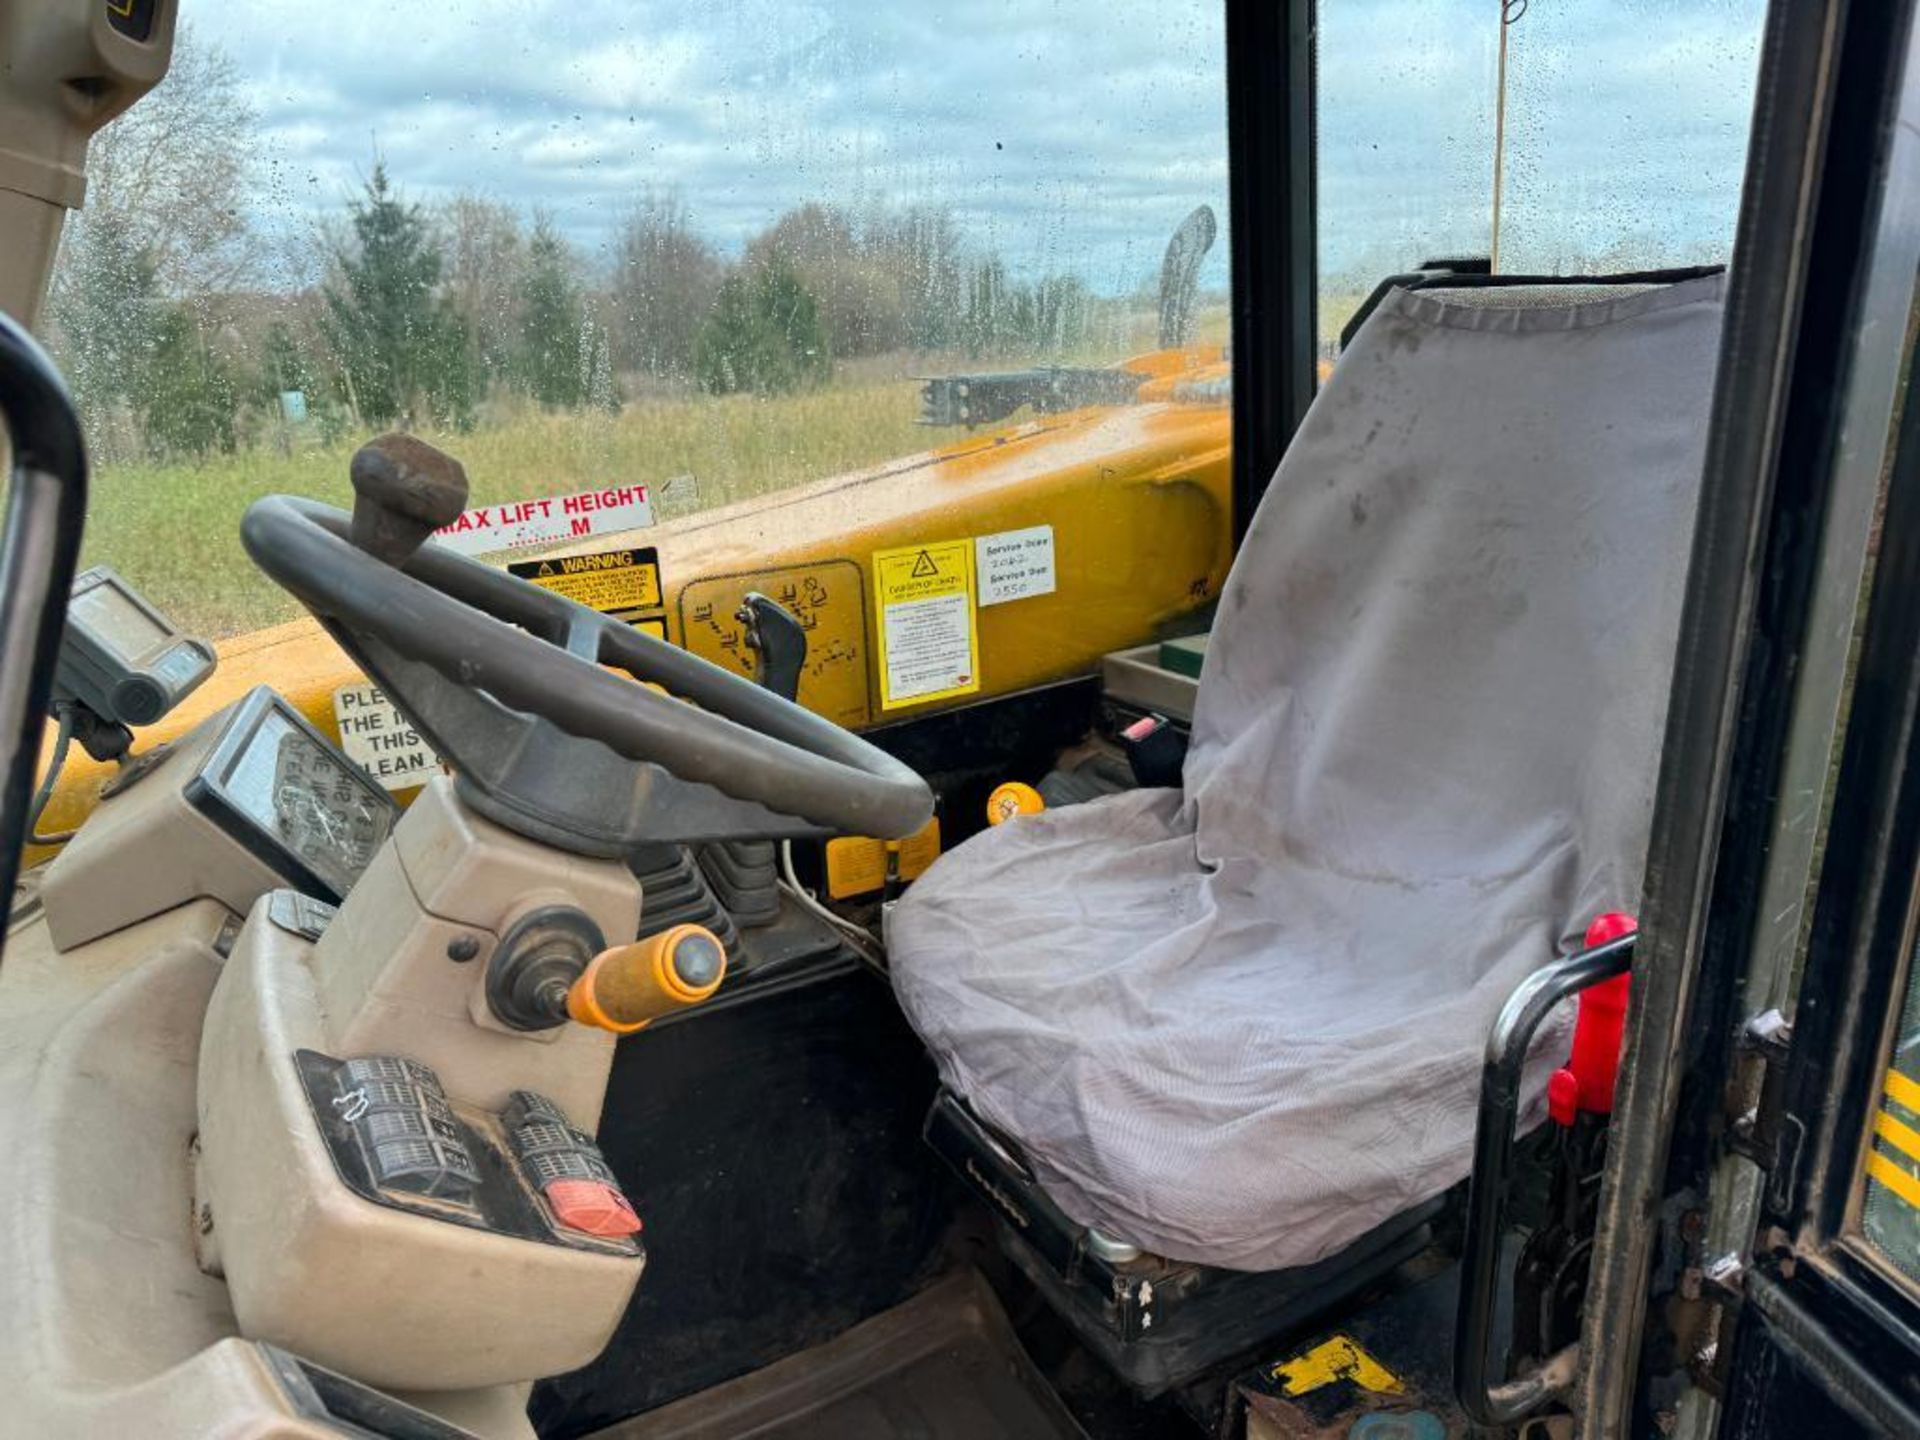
[925, 254]
[665, 278]
[486, 272]
[860, 297]
[146, 268]
[174, 177]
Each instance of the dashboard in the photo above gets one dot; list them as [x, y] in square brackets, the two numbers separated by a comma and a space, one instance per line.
[276, 786]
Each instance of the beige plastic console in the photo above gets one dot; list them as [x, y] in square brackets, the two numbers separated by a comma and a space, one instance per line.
[394, 1298]
[146, 850]
[67, 67]
[111, 1328]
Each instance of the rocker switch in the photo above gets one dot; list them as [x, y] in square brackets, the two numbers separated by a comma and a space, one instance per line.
[567, 1168]
[405, 1128]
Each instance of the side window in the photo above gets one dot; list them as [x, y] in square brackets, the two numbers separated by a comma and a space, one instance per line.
[1620, 132]
[711, 251]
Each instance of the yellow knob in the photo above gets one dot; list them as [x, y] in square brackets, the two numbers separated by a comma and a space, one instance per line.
[624, 988]
[1013, 799]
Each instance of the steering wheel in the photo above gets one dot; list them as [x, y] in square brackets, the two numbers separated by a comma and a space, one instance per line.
[426, 621]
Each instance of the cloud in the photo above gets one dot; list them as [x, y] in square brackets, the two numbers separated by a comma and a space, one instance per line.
[1069, 135]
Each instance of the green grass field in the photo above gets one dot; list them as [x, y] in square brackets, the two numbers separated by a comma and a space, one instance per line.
[173, 530]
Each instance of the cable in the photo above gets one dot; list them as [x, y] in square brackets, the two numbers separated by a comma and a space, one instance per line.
[61, 745]
[864, 940]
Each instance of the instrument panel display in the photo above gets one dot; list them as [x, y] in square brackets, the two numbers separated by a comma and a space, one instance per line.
[277, 786]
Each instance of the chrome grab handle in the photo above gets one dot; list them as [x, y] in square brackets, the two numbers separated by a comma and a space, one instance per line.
[1542, 992]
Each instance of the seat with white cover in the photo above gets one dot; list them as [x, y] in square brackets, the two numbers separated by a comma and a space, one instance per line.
[1240, 1023]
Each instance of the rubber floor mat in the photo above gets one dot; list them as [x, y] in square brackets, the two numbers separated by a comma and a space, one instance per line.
[943, 1366]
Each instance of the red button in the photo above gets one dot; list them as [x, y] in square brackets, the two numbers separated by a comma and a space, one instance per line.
[593, 1207]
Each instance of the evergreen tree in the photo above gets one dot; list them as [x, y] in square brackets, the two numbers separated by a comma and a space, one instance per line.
[554, 360]
[283, 365]
[764, 335]
[190, 396]
[401, 348]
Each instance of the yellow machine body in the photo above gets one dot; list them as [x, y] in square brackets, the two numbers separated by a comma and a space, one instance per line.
[1138, 498]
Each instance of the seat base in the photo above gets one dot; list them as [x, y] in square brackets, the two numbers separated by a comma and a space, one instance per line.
[1156, 1323]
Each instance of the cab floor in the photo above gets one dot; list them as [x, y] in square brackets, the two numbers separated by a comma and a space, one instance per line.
[943, 1366]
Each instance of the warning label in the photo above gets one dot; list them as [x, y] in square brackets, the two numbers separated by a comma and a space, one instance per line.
[857, 864]
[929, 642]
[380, 740]
[520, 523]
[623, 579]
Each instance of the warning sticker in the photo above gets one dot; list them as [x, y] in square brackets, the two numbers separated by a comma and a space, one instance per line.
[609, 580]
[1015, 564]
[929, 643]
[1339, 1358]
[520, 523]
[857, 864]
[380, 740]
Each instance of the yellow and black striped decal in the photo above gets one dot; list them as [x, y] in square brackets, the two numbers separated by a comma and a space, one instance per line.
[1894, 1162]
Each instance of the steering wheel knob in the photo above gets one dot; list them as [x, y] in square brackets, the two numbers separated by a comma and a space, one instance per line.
[403, 490]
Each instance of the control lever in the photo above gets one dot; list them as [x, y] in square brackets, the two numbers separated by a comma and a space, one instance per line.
[403, 490]
[626, 988]
[744, 874]
[732, 885]
[553, 966]
[778, 639]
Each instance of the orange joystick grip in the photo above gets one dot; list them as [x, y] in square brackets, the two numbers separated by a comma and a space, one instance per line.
[624, 988]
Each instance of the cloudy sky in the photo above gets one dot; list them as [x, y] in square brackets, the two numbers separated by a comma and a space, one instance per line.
[1070, 134]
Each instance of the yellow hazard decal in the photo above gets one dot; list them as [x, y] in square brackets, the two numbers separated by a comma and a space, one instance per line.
[1337, 1359]
[928, 631]
[1896, 1167]
[857, 865]
[610, 580]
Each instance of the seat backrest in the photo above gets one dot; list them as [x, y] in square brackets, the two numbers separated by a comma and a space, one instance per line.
[1443, 657]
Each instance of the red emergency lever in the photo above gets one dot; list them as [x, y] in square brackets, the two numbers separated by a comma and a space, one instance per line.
[1586, 1082]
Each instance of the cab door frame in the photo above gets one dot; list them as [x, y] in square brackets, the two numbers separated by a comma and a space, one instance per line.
[1807, 333]
[1273, 219]
[1827, 1334]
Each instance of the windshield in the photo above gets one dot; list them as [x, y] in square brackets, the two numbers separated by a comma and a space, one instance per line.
[706, 253]
[1613, 135]
[669, 259]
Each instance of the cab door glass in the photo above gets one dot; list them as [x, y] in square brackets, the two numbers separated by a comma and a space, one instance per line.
[1621, 128]
[711, 251]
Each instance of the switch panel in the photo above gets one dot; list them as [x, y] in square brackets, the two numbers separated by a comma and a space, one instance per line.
[405, 1128]
[567, 1168]
[396, 1139]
